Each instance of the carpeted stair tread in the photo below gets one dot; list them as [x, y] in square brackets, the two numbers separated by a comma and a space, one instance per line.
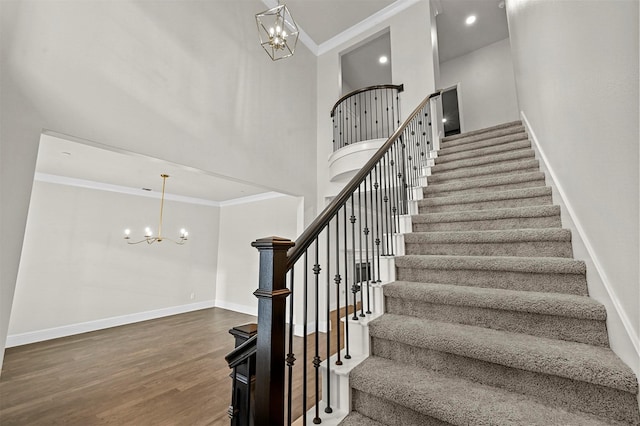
[500, 236]
[456, 400]
[485, 160]
[482, 150]
[500, 129]
[534, 265]
[483, 182]
[478, 215]
[356, 419]
[523, 166]
[576, 361]
[466, 146]
[510, 194]
[500, 126]
[558, 304]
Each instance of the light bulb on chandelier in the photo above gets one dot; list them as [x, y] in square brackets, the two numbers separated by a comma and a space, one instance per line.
[148, 232]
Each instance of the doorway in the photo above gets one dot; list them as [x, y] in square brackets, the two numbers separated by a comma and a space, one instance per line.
[451, 112]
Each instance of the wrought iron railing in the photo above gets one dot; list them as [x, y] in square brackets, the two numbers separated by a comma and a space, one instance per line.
[336, 262]
[364, 114]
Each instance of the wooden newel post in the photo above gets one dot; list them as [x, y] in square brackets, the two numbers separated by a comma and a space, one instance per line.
[270, 356]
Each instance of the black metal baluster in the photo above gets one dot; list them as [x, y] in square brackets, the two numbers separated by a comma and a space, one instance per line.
[387, 202]
[346, 284]
[375, 98]
[337, 279]
[405, 185]
[316, 357]
[366, 247]
[377, 197]
[394, 188]
[360, 250]
[304, 338]
[355, 288]
[328, 408]
[291, 359]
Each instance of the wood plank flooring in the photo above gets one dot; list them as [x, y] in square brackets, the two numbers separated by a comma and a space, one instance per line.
[168, 371]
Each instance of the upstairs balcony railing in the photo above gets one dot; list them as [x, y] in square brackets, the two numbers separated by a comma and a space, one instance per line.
[334, 269]
[364, 114]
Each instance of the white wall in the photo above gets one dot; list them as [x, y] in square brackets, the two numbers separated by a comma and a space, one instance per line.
[76, 267]
[238, 262]
[412, 65]
[576, 72]
[172, 80]
[487, 90]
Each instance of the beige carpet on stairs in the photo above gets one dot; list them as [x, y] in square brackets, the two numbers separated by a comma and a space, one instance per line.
[489, 321]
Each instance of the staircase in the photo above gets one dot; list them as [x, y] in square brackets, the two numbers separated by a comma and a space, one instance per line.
[488, 321]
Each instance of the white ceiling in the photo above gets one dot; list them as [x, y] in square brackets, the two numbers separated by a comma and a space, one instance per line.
[91, 165]
[455, 38]
[324, 19]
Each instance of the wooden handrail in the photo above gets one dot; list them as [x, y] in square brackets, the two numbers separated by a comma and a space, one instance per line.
[317, 226]
[242, 352]
[399, 88]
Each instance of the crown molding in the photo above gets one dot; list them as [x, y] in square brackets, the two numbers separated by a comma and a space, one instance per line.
[354, 31]
[138, 192]
[365, 25]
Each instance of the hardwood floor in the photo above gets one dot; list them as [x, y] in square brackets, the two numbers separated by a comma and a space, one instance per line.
[168, 371]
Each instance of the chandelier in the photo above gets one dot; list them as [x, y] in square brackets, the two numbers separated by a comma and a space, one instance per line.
[148, 233]
[278, 32]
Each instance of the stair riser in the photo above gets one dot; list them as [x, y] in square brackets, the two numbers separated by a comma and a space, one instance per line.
[549, 326]
[554, 390]
[518, 249]
[493, 170]
[471, 148]
[488, 225]
[520, 154]
[503, 127]
[424, 208]
[389, 413]
[525, 281]
[493, 135]
[444, 157]
[430, 193]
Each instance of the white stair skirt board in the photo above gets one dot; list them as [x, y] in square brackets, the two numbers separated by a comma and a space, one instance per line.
[405, 220]
[332, 419]
[340, 391]
[398, 241]
[417, 194]
[359, 334]
[377, 298]
[387, 269]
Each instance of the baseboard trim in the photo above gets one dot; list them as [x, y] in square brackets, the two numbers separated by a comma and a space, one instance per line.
[243, 309]
[85, 327]
[583, 245]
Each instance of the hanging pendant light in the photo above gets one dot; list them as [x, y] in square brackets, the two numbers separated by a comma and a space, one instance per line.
[148, 233]
[278, 32]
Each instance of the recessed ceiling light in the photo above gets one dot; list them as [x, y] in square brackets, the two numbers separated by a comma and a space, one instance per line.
[444, 120]
[383, 59]
[470, 19]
